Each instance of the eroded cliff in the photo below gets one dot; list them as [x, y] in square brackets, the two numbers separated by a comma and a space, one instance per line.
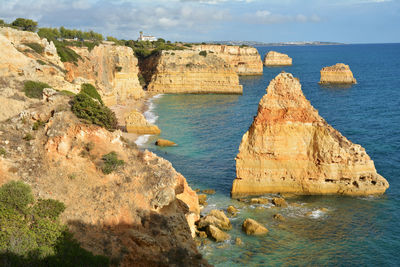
[337, 74]
[244, 60]
[113, 69]
[289, 148]
[273, 58]
[186, 71]
[136, 215]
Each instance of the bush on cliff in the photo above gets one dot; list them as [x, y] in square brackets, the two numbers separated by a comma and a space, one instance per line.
[34, 89]
[25, 24]
[92, 111]
[35, 47]
[111, 162]
[203, 53]
[32, 235]
[91, 91]
[65, 53]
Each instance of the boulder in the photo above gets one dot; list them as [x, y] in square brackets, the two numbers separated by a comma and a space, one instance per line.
[259, 201]
[279, 217]
[251, 227]
[137, 123]
[208, 191]
[232, 210]
[164, 142]
[238, 241]
[216, 234]
[279, 202]
[216, 218]
[202, 199]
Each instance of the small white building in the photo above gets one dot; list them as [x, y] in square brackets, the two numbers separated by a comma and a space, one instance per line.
[146, 38]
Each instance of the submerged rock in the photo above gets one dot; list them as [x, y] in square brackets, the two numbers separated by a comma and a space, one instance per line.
[259, 201]
[279, 217]
[202, 199]
[232, 210]
[217, 234]
[208, 191]
[277, 59]
[279, 202]
[252, 227]
[289, 148]
[238, 241]
[164, 142]
[337, 74]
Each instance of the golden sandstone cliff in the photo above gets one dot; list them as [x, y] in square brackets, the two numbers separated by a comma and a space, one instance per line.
[277, 59]
[186, 71]
[289, 148]
[245, 60]
[113, 69]
[337, 74]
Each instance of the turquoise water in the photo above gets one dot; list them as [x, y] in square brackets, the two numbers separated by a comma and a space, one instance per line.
[354, 231]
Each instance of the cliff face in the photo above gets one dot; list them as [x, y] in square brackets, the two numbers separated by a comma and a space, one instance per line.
[277, 59]
[114, 70]
[188, 72]
[137, 214]
[337, 74]
[289, 148]
[244, 60]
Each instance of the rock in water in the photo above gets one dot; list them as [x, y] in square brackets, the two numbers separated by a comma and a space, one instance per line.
[289, 148]
[137, 123]
[337, 74]
[277, 59]
[251, 227]
[216, 234]
[164, 142]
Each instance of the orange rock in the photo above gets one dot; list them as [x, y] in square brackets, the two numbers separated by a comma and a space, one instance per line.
[337, 74]
[289, 148]
[277, 59]
[164, 142]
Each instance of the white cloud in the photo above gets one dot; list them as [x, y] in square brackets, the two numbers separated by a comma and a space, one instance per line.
[267, 17]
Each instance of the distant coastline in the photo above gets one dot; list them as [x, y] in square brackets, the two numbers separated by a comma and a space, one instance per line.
[255, 43]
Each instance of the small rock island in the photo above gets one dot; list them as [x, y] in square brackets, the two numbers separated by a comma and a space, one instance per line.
[290, 148]
[277, 59]
[337, 74]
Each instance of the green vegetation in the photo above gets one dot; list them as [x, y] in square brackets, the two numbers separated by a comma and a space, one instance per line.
[41, 62]
[25, 24]
[92, 110]
[65, 53]
[91, 91]
[2, 23]
[34, 89]
[31, 234]
[111, 162]
[141, 79]
[67, 93]
[38, 124]
[35, 47]
[3, 152]
[203, 53]
[28, 137]
[145, 49]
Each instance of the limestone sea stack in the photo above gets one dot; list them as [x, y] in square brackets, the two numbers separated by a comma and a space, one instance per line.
[337, 74]
[277, 59]
[245, 60]
[189, 71]
[289, 148]
[137, 123]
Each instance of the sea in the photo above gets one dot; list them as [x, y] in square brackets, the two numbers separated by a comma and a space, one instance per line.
[353, 231]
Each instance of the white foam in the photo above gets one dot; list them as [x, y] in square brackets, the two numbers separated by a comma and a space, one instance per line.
[149, 113]
[141, 140]
[316, 214]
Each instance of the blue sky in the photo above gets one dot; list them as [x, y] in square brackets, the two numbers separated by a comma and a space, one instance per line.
[348, 21]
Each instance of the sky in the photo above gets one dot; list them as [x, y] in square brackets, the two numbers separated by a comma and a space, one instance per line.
[347, 21]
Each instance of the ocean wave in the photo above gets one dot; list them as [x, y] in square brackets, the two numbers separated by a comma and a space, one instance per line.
[141, 140]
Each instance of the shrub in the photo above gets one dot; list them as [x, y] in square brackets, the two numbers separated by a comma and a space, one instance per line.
[28, 137]
[91, 91]
[67, 93]
[66, 54]
[35, 47]
[34, 89]
[203, 53]
[37, 125]
[25, 24]
[111, 162]
[88, 109]
[3, 151]
[141, 80]
[31, 234]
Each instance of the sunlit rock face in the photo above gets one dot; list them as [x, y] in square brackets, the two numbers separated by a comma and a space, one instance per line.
[188, 71]
[289, 148]
[337, 74]
[244, 60]
[277, 59]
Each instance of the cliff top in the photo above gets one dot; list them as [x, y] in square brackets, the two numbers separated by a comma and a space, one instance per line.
[337, 67]
[273, 54]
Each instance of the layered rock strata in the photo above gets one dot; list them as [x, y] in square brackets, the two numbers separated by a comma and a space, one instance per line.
[113, 69]
[245, 60]
[277, 59]
[139, 214]
[337, 74]
[289, 148]
[187, 71]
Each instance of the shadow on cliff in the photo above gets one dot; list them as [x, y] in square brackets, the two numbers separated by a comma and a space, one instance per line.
[157, 240]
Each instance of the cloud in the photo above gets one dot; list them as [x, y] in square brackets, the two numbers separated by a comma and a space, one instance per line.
[267, 17]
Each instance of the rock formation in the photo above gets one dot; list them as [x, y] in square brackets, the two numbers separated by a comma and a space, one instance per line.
[337, 74]
[137, 123]
[290, 148]
[245, 60]
[252, 227]
[277, 59]
[188, 72]
[114, 70]
[164, 142]
[138, 214]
